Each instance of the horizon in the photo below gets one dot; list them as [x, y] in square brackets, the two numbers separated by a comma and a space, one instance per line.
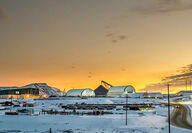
[136, 91]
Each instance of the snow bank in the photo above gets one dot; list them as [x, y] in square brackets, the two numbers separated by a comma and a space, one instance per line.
[176, 130]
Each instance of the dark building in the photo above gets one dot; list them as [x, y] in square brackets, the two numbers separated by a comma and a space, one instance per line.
[18, 91]
[100, 91]
[31, 90]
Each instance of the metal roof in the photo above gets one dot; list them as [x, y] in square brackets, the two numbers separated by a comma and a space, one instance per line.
[8, 88]
[42, 87]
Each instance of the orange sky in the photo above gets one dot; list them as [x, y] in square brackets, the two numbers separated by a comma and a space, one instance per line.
[76, 44]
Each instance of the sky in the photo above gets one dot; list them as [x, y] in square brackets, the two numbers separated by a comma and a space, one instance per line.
[77, 43]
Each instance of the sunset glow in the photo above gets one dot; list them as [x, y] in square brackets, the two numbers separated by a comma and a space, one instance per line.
[76, 44]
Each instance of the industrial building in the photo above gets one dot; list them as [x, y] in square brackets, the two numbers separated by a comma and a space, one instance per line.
[143, 95]
[133, 95]
[152, 95]
[87, 92]
[118, 91]
[170, 95]
[34, 90]
[184, 93]
[101, 91]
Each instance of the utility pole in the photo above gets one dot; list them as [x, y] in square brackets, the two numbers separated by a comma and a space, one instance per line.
[126, 108]
[186, 85]
[50, 130]
[190, 85]
[169, 120]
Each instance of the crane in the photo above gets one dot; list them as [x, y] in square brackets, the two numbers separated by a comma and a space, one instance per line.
[107, 85]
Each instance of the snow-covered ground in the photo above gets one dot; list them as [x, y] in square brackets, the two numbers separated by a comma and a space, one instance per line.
[138, 122]
[106, 123]
[188, 102]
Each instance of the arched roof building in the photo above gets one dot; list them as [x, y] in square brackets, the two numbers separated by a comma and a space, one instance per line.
[117, 91]
[81, 93]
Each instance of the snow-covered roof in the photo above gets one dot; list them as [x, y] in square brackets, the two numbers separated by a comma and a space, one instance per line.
[32, 86]
[8, 88]
[185, 92]
[81, 92]
[42, 87]
[128, 89]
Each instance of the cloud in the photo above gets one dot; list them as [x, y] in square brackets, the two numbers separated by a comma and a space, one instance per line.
[185, 74]
[123, 69]
[163, 6]
[109, 34]
[122, 37]
[73, 66]
[90, 75]
[3, 14]
[113, 35]
[175, 80]
[154, 87]
[109, 51]
[113, 41]
[115, 38]
[147, 7]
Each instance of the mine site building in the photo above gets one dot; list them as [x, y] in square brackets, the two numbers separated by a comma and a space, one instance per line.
[118, 91]
[87, 92]
[34, 90]
[184, 93]
[101, 91]
[152, 95]
[133, 95]
[170, 95]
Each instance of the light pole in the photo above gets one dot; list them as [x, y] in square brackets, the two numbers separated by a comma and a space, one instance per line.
[126, 108]
[169, 120]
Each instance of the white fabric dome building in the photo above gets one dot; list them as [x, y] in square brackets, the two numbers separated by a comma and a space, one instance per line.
[118, 91]
[87, 92]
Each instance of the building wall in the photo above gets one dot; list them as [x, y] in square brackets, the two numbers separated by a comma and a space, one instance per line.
[28, 96]
[20, 91]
